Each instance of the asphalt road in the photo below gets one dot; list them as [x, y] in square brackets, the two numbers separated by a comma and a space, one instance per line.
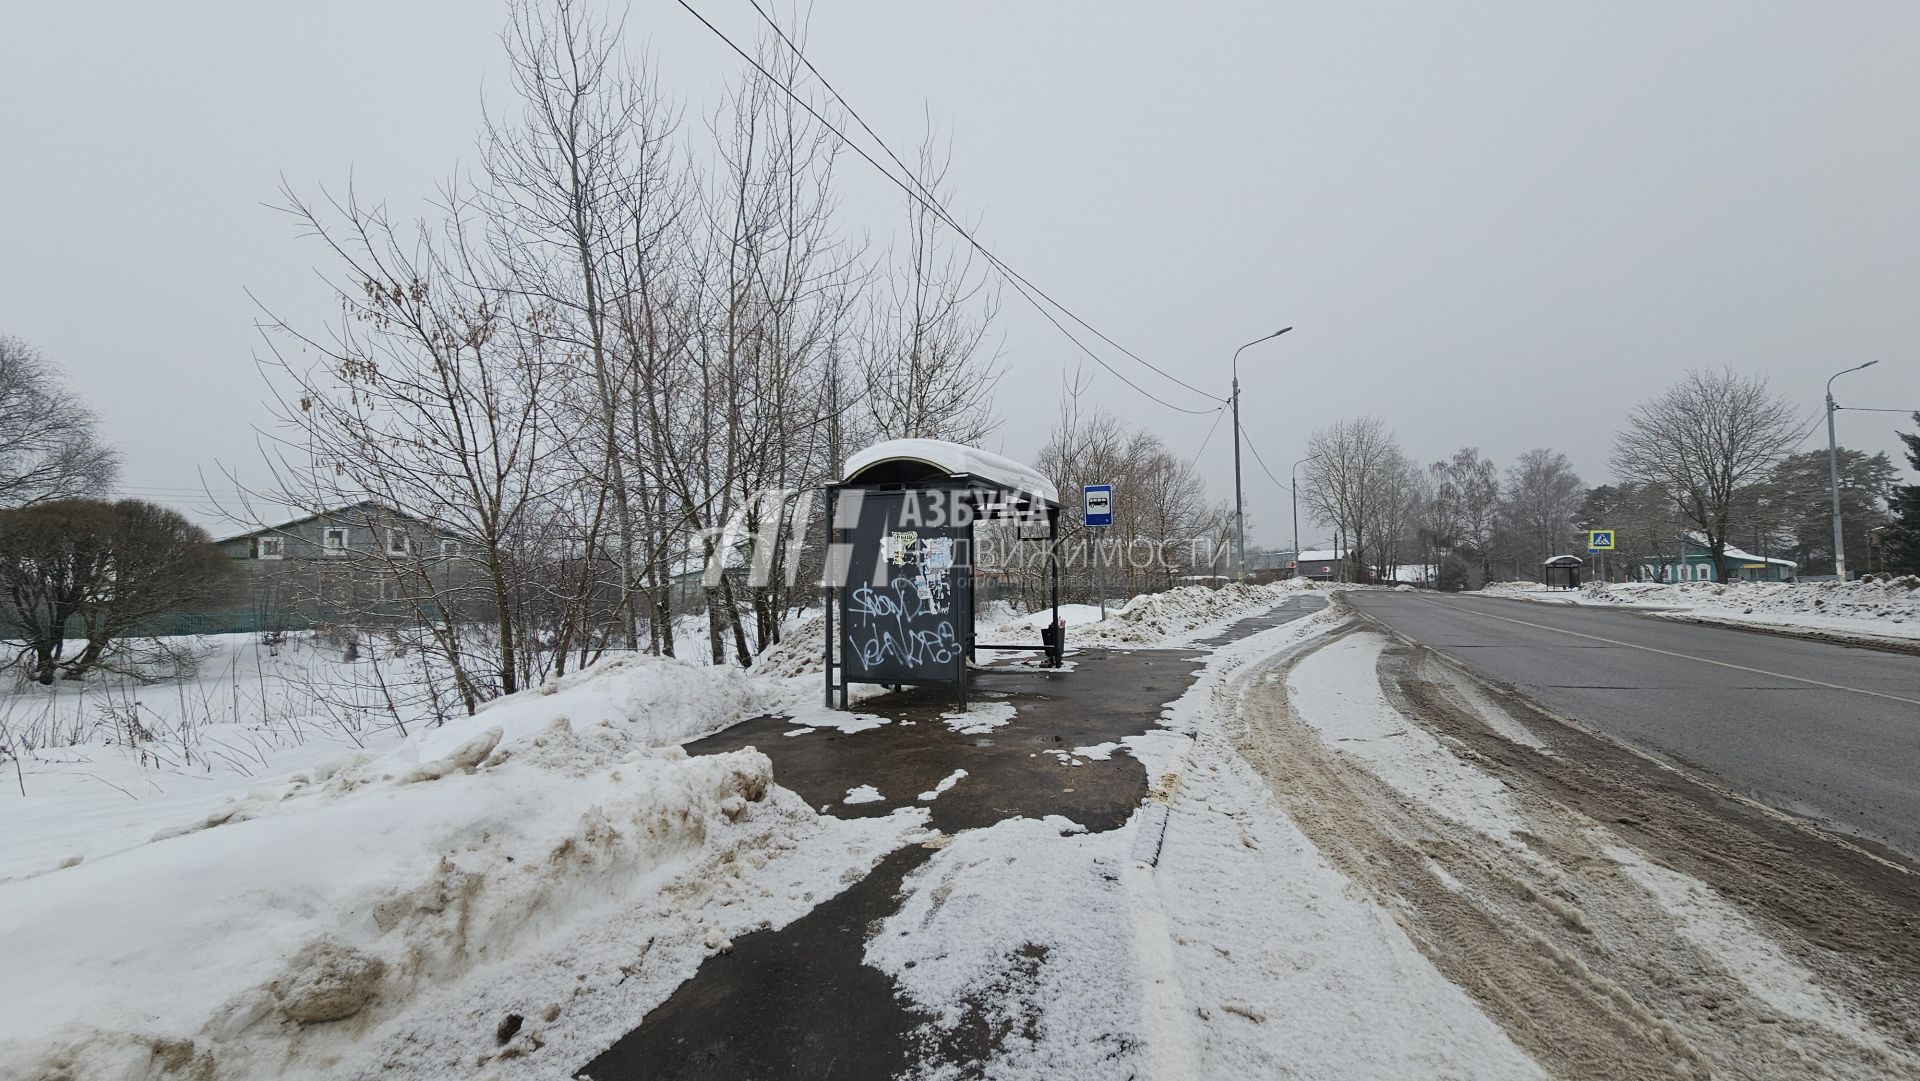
[1828, 732]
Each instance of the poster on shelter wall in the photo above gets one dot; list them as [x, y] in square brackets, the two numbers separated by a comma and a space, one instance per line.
[905, 621]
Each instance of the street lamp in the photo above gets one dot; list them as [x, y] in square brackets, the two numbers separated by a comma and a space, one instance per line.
[1295, 491]
[1833, 474]
[1239, 509]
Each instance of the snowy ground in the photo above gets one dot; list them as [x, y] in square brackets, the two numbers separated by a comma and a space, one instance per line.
[1326, 885]
[1243, 953]
[280, 859]
[226, 876]
[1321, 883]
[1882, 608]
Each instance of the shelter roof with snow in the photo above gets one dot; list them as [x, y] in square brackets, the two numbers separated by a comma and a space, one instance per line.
[905, 461]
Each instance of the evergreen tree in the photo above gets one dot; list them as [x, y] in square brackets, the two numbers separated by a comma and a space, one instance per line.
[1902, 545]
[1796, 504]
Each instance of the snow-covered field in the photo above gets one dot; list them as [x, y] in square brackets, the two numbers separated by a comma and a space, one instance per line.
[248, 890]
[1886, 607]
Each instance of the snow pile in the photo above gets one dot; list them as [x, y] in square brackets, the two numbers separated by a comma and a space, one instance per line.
[1185, 615]
[1874, 606]
[265, 934]
[799, 651]
[657, 700]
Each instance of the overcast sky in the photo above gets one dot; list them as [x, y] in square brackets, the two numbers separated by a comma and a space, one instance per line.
[1497, 224]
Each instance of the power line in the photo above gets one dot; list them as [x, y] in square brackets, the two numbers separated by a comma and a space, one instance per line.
[1020, 284]
[948, 216]
[1812, 428]
[1264, 469]
[1217, 414]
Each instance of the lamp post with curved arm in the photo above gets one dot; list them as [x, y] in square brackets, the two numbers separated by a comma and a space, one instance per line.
[1833, 475]
[1239, 509]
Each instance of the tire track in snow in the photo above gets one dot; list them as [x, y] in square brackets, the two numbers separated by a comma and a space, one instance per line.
[1575, 959]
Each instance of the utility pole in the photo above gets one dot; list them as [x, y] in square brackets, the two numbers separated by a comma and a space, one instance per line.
[1833, 474]
[1239, 506]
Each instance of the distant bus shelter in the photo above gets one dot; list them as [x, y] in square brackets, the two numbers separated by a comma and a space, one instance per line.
[1563, 572]
[900, 561]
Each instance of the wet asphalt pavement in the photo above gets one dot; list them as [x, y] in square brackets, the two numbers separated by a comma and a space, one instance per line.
[800, 1002]
[1826, 731]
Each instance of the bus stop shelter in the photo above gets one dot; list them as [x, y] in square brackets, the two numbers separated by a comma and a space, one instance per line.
[1562, 572]
[901, 561]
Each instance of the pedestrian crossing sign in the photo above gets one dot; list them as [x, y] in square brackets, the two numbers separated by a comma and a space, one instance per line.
[1599, 540]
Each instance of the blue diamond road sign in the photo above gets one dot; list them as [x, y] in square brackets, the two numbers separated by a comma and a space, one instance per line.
[1099, 504]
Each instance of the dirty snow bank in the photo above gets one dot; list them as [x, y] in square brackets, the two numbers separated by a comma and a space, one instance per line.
[264, 934]
[88, 801]
[1875, 606]
[1178, 617]
[1336, 691]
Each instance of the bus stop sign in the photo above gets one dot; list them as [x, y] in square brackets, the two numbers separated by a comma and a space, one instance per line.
[1099, 504]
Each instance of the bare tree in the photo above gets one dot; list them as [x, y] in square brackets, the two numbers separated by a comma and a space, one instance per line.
[1541, 499]
[1396, 520]
[578, 175]
[430, 399]
[926, 375]
[48, 447]
[1355, 480]
[1476, 490]
[629, 349]
[1437, 520]
[1162, 520]
[1704, 442]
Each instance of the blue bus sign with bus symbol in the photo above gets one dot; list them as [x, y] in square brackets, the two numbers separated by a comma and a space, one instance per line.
[1099, 504]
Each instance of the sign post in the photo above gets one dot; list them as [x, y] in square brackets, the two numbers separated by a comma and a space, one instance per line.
[1098, 508]
[1600, 542]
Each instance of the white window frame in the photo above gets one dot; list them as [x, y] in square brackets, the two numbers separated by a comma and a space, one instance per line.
[398, 543]
[279, 548]
[449, 549]
[327, 536]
